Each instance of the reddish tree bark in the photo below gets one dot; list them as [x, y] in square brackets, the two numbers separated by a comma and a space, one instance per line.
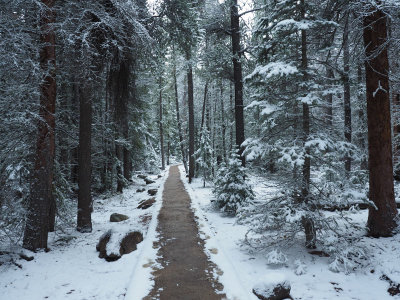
[37, 223]
[396, 135]
[381, 220]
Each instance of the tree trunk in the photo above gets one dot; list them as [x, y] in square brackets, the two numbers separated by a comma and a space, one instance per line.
[161, 128]
[223, 133]
[396, 135]
[178, 119]
[120, 77]
[308, 222]
[37, 223]
[237, 78]
[346, 94]
[203, 112]
[84, 221]
[191, 118]
[231, 119]
[168, 149]
[381, 221]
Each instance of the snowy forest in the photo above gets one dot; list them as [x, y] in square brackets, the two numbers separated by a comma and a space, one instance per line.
[199, 149]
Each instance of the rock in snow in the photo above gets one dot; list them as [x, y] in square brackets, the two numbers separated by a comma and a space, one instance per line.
[152, 192]
[118, 217]
[111, 246]
[146, 203]
[274, 287]
[149, 181]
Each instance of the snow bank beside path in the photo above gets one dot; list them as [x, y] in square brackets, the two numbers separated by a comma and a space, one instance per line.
[237, 284]
[141, 281]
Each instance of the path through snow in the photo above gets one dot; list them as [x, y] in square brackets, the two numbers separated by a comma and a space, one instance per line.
[186, 272]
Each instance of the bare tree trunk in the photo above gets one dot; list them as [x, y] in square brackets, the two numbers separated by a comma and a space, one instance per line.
[346, 93]
[231, 109]
[178, 119]
[203, 112]
[223, 133]
[168, 149]
[161, 127]
[237, 77]
[191, 117]
[120, 83]
[396, 135]
[37, 223]
[308, 222]
[84, 221]
[381, 221]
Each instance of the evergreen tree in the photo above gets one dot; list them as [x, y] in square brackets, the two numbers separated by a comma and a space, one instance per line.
[231, 190]
[204, 155]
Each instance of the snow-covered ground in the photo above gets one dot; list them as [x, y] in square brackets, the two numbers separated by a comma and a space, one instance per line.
[240, 270]
[72, 269]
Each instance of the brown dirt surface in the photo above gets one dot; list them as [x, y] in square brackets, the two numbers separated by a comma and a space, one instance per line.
[186, 272]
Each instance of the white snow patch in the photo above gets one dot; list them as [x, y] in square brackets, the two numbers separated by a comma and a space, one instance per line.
[142, 281]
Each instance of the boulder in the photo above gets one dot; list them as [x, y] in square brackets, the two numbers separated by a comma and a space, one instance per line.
[102, 244]
[152, 192]
[140, 190]
[149, 181]
[118, 217]
[129, 242]
[277, 289]
[124, 246]
[141, 176]
[146, 203]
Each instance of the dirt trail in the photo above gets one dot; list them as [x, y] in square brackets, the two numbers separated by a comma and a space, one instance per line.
[186, 272]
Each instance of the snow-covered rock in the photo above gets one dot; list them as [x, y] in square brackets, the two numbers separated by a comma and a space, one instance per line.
[273, 287]
[118, 217]
[112, 245]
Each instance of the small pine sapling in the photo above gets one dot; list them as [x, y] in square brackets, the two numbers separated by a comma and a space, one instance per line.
[204, 155]
[230, 187]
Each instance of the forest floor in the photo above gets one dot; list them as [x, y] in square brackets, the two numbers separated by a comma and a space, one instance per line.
[188, 243]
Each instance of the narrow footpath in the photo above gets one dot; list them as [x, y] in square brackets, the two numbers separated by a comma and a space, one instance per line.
[186, 272]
